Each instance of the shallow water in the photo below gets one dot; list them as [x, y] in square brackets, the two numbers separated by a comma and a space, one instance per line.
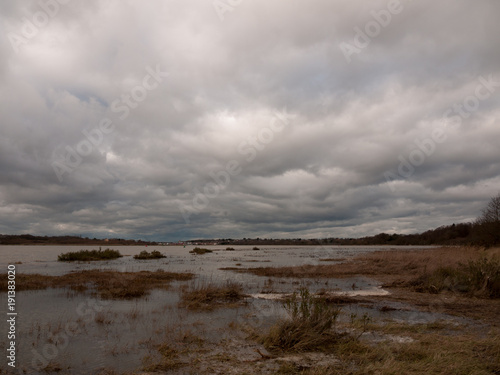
[43, 259]
[83, 334]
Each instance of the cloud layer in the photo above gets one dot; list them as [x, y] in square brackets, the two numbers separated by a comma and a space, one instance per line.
[181, 119]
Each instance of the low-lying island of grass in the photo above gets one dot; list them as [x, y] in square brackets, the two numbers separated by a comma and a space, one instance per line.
[155, 254]
[89, 255]
[200, 251]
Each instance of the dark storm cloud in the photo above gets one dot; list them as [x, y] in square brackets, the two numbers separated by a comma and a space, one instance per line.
[89, 144]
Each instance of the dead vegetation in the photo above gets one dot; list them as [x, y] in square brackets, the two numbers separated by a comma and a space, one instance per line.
[385, 263]
[107, 284]
[430, 352]
[209, 295]
[309, 325]
[479, 278]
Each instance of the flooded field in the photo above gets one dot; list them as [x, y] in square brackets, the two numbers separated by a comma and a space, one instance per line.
[75, 331]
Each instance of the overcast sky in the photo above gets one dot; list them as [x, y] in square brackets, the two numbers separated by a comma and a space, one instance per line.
[181, 119]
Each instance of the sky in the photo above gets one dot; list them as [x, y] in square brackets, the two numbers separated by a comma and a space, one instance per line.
[181, 119]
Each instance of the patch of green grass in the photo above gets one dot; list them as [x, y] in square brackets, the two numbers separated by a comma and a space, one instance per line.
[89, 255]
[155, 254]
[309, 325]
[200, 251]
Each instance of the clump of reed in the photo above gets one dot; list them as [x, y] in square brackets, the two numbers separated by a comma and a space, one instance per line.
[309, 326]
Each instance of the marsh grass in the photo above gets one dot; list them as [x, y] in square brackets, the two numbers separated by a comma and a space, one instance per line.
[468, 270]
[89, 255]
[209, 295]
[430, 353]
[386, 263]
[478, 277]
[155, 254]
[434, 351]
[174, 352]
[107, 284]
[200, 251]
[309, 325]
[168, 360]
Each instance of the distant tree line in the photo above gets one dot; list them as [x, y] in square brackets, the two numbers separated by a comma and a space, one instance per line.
[484, 231]
[455, 234]
[28, 239]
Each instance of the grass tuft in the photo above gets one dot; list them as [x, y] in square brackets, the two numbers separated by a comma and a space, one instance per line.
[309, 325]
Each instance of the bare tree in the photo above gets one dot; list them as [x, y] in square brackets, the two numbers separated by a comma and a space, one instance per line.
[488, 223]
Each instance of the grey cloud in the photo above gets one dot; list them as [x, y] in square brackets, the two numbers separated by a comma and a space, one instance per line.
[322, 175]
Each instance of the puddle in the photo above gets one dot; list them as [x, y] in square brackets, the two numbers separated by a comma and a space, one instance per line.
[376, 291]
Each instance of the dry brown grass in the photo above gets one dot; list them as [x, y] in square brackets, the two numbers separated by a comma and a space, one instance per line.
[168, 361]
[206, 296]
[108, 284]
[431, 353]
[309, 326]
[386, 265]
